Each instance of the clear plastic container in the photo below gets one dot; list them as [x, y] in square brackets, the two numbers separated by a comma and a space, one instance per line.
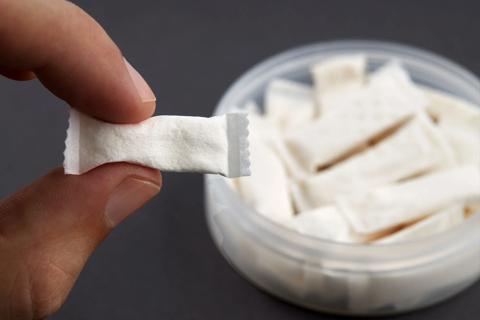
[344, 278]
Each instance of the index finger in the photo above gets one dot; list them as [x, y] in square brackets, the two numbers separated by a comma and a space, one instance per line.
[74, 58]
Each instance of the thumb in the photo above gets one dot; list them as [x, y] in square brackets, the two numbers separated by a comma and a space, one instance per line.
[49, 229]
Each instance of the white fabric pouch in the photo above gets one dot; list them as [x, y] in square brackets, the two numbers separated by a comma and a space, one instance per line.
[324, 222]
[169, 143]
[460, 123]
[434, 224]
[389, 206]
[339, 72]
[266, 189]
[289, 104]
[335, 75]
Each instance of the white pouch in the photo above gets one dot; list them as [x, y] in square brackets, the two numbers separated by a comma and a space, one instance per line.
[413, 149]
[390, 206]
[289, 104]
[325, 222]
[389, 83]
[363, 115]
[395, 81]
[273, 138]
[170, 143]
[339, 73]
[329, 223]
[447, 108]
[436, 223]
[266, 189]
[393, 75]
[459, 121]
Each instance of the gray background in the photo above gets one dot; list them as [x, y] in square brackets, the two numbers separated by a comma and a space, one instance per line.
[161, 263]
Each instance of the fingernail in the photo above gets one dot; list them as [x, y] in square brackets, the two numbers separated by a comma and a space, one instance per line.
[127, 197]
[144, 91]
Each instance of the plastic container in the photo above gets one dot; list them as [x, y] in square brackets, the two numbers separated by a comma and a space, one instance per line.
[344, 278]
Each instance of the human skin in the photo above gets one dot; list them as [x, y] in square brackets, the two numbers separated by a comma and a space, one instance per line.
[49, 229]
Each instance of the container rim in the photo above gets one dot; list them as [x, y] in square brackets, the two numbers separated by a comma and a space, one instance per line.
[295, 241]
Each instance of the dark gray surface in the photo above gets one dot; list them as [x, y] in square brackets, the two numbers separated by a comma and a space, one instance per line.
[161, 263]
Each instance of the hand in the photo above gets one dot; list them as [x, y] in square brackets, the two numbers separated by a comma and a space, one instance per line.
[49, 229]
